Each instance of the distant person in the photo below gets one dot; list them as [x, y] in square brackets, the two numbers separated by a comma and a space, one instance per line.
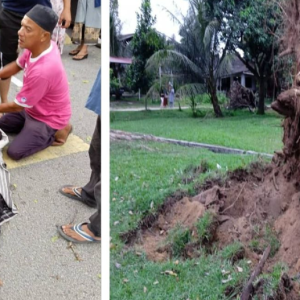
[42, 107]
[87, 27]
[90, 193]
[162, 96]
[171, 95]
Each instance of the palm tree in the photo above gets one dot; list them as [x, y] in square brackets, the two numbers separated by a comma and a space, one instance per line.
[200, 57]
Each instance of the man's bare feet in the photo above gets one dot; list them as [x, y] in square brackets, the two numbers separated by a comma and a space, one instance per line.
[73, 232]
[61, 135]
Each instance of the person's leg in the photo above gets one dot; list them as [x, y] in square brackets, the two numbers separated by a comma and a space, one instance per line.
[85, 232]
[95, 220]
[89, 232]
[35, 136]
[10, 23]
[88, 191]
[62, 135]
[12, 122]
[86, 194]
[82, 54]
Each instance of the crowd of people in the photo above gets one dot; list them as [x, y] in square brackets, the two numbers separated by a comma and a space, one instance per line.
[31, 39]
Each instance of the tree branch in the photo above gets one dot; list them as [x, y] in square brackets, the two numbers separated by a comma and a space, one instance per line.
[246, 63]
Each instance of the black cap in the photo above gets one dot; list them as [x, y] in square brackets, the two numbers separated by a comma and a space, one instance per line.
[44, 16]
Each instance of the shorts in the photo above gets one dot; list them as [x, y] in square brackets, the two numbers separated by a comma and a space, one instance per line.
[10, 24]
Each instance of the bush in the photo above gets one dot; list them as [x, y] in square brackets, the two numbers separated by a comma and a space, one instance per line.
[205, 98]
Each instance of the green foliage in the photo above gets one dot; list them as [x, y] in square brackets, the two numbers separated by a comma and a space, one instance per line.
[144, 43]
[199, 58]
[114, 82]
[252, 26]
[178, 238]
[231, 250]
[254, 245]
[204, 227]
[205, 98]
[272, 280]
[115, 27]
[271, 239]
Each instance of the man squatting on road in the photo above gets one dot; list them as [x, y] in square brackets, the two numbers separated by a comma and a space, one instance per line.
[42, 108]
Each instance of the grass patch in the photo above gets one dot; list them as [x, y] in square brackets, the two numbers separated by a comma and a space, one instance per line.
[272, 240]
[178, 238]
[232, 252]
[142, 176]
[271, 281]
[239, 129]
[205, 227]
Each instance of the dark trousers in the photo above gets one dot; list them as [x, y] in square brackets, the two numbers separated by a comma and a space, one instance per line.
[33, 135]
[91, 192]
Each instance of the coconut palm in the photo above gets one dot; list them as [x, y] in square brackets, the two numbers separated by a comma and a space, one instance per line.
[200, 58]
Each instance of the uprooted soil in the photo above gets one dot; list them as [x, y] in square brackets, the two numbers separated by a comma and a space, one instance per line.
[244, 205]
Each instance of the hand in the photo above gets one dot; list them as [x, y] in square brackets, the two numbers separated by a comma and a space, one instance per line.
[65, 18]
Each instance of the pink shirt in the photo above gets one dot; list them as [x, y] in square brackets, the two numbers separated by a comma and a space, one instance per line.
[45, 92]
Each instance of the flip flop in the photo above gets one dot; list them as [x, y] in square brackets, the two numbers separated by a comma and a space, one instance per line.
[77, 228]
[77, 195]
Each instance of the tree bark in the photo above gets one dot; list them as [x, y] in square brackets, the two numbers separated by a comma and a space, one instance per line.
[212, 88]
[261, 100]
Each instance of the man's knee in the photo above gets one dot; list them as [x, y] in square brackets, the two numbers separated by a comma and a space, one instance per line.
[14, 154]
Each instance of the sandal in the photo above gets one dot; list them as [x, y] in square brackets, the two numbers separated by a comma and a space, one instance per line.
[74, 52]
[78, 229]
[81, 57]
[76, 196]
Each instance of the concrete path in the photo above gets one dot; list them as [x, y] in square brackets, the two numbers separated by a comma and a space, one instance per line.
[143, 108]
[35, 263]
[125, 135]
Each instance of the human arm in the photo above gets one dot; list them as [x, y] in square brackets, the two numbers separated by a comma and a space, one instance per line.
[65, 15]
[10, 107]
[9, 70]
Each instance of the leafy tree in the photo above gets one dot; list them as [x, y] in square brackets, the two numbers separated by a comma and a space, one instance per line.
[252, 26]
[144, 43]
[115, 27]
[200, 57]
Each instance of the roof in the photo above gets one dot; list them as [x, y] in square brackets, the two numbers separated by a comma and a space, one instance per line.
[120, 60]
[238, 67]
[126, 37]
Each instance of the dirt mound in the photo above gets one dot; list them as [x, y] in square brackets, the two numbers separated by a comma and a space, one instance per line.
[245, 204]
[256, 207]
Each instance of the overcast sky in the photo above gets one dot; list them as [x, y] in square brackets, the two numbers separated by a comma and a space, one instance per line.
[164, 23]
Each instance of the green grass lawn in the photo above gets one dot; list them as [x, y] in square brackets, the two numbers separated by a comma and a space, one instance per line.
[143, 174]
[240, 129]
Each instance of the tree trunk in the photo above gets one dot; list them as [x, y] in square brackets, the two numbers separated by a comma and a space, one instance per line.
[261, 100]
[214, 99]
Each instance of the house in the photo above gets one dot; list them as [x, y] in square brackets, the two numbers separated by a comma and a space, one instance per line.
[238, 72]
[118, 64]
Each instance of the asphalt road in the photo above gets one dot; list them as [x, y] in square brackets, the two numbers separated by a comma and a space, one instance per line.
[34, 262]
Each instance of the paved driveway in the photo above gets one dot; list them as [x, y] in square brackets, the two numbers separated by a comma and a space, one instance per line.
[34, 262]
